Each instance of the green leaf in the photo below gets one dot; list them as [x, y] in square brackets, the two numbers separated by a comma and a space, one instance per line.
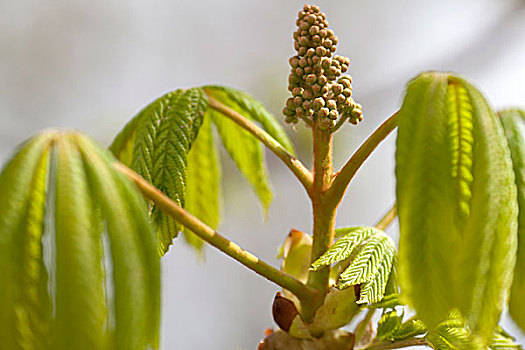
[411, 328]
[246, 152]
[156, 143]
[80, 295]
[503, 341]
[451, 334]
[345, 246]
[136, 265]
[203, 182]
[513, 121]
[82, 314]
[456, 203]
[252, 109]
[367, 263]
[24, 299]
[387, 325]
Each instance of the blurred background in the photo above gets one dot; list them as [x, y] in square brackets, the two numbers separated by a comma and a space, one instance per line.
[93, 64]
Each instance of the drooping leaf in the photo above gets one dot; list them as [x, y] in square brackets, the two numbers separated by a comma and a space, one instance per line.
[246, 152]
[80, 296]
[344, 247]
[203, 182]
[456, 204]
[82, 313]
[156, 144]
[513, 121]
[252, 109]
[24, 299]
[136, 269]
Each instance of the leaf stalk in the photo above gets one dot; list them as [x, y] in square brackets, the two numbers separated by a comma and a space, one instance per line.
[304, 293]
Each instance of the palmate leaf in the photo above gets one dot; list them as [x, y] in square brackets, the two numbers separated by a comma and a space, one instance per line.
[456, 204]
[370, 253]
[161, 144]
[90, 194]
[513, 121]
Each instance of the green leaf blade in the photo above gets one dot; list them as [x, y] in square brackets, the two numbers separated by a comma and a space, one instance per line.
[136, 264]
[456, 204]
[24, 277]
[513, 121]
[80, 296]
[156, 142]
[249, 107]
[203, 183]
[247, 153]
[345, 246]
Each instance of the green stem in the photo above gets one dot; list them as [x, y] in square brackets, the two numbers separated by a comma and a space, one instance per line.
[323, 215]
[303, 292]
[298, 169]
[345, 175]
[388, 218]
[399, 344]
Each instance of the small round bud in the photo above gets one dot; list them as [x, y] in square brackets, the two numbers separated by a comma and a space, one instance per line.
[301, 50]
[316, 39]
[318, 103]
[347, 92]
[333, 48]
[333, 71]
[301, 14]
[316, 87]
[289, 104]
[326, 43]
[322, 80]
[323, 112]
[310, 52]
[298, 101]
[331, 104]
[326, 124]
[340, 99]
[337, 88]
[303, 41]
[303, 62]
[310, 19]
[308, 94]
[333, 114]
[313, 30]
[325, 89]
[299, 111]
[323, 33]
[297, 91]
[304, 25]
[344, 68]
[294, 61]
[307, 69]
[315, 59]
[310, 79]
[306, 105]
[346, 81]
[325, 62]
[321, 51]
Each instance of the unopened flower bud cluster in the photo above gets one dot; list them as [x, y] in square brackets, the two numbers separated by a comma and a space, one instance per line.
[320, 93]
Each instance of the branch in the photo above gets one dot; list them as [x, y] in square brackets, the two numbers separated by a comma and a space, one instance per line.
[387, 219]
[298, 169]
[304, 293]
[341, 180]
[399, 344]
